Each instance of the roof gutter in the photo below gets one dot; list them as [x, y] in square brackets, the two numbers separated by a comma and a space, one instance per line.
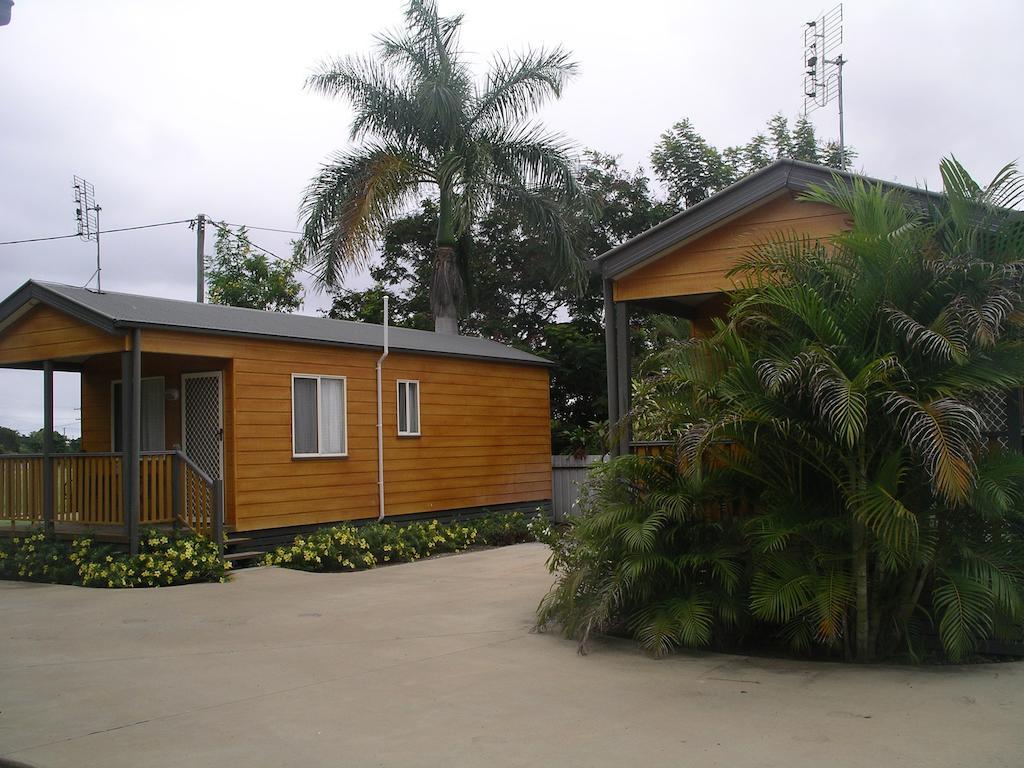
[380, 418]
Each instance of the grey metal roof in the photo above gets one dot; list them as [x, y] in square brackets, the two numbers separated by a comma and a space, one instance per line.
[112, 311]
[793, 175]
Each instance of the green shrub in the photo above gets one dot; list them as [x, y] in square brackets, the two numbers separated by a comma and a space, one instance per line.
[163, 560]
[500, 529]
[348, 547]
[831, 485]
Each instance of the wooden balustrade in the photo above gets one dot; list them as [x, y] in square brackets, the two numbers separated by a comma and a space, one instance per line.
[88, 489]
[667, 449]
[650, 447]
[155, 494]
[21, 489]
[199, 502]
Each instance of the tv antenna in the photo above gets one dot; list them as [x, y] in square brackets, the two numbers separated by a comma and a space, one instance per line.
[87, 212]
[823, 67]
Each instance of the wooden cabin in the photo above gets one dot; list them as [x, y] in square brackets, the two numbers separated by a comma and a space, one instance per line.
[266, 422]
[680, 267]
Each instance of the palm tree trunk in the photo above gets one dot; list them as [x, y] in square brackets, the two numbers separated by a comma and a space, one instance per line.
[445, 291]
[860, 577]
[446, 286]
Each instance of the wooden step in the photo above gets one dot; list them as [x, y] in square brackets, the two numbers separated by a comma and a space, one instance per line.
[236, 556]
[236, 540]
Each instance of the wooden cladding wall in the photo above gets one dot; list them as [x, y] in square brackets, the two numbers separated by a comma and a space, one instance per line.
[485, 432]
[700, 266]
[43, 333]
[100, 372]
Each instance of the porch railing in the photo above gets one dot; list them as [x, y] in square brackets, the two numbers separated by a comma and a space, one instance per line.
[88, 490]
[723, 510]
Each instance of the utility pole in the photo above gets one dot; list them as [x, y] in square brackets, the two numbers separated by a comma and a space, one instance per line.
[200, 258]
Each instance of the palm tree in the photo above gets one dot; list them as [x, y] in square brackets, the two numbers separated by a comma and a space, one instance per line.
[839, 401]
[424, 125]
[868, 360]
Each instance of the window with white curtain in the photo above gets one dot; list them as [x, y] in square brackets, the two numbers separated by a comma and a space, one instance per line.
[318, 416]
[152, 427]
[408, 408]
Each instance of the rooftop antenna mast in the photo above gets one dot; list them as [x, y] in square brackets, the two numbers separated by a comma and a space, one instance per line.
[823, 67]
[87, 212]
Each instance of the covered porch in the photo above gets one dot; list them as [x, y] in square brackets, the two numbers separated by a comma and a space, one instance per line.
[681, 267]
[153, 449]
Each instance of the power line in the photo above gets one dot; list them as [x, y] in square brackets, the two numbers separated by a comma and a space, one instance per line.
[103, 232]
[265, 229]
[225, 228]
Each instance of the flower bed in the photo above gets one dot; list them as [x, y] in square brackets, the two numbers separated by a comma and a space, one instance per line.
[349, 547]
[163, 560]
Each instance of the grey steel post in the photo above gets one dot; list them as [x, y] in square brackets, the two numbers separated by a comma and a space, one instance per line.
[622, 359]
[218, 514]
[200, 258]
[126, 417]
[610, 364]
[132, 503]
[48, 446]
[839, 87]
[99, 269]
[1014, 421]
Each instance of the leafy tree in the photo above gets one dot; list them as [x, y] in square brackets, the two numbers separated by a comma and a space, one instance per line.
[835, 413]
[33, 443]
[516, 295]
[426, 125]
[240, 276]
[692, 169]
[12, 441]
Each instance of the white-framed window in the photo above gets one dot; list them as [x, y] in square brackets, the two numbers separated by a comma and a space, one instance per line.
[408, 408]
[319, 415]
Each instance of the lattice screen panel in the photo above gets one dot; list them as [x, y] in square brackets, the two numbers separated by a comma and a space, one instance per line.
[994, 417]
[202, 423]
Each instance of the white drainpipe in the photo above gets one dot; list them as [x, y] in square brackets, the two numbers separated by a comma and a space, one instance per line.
[380, 418]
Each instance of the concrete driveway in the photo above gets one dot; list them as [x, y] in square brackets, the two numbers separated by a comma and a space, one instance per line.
[434, 664]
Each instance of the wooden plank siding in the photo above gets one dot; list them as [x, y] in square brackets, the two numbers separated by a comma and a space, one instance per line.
[43, 333]
[485, 429]
[700, 265]
[485, 432]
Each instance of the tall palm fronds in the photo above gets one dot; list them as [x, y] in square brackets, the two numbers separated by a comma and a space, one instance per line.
[422, 123]
[840, 397]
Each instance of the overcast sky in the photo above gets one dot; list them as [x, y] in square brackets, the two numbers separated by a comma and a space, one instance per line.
[174, 108]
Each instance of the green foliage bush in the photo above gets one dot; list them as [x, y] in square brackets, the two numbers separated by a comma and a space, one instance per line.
[830, 484]
[500, 530]
[163, 560]
[348, 547]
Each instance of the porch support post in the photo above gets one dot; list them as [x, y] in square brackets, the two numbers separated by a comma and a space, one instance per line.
[126, 408]
[48, 446]
[623, 374]
[1013, 421]
[134, 442]
[611, 366]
